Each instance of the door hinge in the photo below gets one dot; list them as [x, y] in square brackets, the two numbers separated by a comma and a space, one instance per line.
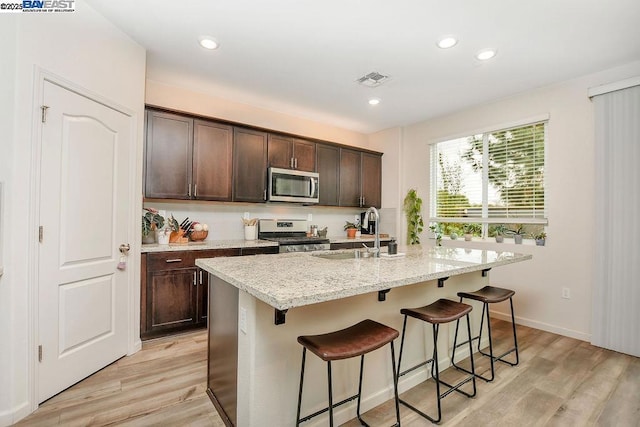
[40, 233]
[44, 109]
[39, 353]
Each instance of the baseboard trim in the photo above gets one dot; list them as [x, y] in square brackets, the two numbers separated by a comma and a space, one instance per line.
[14, 415]
[582, 336]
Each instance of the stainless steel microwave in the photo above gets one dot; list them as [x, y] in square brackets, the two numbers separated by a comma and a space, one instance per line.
[289, 185]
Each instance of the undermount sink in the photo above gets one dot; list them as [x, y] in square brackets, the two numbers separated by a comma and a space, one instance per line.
[344, 255]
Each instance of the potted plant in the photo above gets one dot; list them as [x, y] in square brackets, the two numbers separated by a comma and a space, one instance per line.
[151, 221]
[436, 229]
[412, 209]
[540, 238]
[351, 228]
[470, 230]
[499, 232]
[518, 234]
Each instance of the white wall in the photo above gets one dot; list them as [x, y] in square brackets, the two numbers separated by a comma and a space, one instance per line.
[567, 259]
[83, 48]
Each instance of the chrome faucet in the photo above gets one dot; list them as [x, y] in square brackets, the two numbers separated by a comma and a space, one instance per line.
[373, 210]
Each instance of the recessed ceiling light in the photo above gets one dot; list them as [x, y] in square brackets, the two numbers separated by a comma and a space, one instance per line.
[447, 42]
[485, 54]
[208, 43]
[374, 101]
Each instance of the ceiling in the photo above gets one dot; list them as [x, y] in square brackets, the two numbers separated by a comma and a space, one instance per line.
[302, 57]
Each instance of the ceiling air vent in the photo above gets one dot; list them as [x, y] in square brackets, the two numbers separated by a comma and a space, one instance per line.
[373, 79]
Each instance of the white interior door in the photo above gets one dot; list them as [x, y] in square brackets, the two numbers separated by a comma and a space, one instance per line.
[83, 213]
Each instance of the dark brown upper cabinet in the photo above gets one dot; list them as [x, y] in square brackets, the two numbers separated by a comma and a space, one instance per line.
[249, 165]
[360, 178]
[212, 160]
[328, 161]
[291, 153]
[168, 156]
[187, 158]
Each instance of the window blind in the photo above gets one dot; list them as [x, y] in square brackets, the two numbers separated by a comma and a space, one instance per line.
[494, 177]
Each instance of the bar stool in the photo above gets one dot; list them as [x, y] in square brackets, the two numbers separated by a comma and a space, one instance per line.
[490, 295]
[356, 340]
[441, 311]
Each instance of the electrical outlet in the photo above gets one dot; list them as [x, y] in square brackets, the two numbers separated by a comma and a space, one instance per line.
[243, 320]
[309, 217]
[566, 293]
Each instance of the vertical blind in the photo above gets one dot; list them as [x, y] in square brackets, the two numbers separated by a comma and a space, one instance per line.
[495, 176]
[616, 291]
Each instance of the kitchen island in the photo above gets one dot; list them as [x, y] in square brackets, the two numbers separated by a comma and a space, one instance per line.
[258, 306]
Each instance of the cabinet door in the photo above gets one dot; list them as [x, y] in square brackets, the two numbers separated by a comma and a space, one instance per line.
[168, 156]
[249, 165]
[371, 180]
[280, 151]
[203, 297]
[350, 172]
[304, 154]
[212, 160]
[329, 170]
[171, 299]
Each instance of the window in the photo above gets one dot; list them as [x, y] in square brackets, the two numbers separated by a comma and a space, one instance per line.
[487, 179]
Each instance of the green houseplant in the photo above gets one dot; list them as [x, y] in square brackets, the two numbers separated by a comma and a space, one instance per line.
[351, 228]
[518, 234]
[470, 230]
[151, 221]
[412, 209]
[540, 238]
[436, 229]
[499, 232]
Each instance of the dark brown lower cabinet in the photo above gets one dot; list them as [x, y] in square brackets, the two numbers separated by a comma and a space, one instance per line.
[174, 292]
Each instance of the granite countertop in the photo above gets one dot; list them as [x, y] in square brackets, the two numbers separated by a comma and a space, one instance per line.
[296, 279]
[208, 244]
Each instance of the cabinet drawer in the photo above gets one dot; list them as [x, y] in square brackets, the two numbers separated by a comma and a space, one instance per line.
[170, 260]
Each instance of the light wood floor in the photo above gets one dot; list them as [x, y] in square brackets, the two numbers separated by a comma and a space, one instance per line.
[559, 382]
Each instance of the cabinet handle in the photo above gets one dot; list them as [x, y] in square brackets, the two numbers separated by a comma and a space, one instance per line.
[189, 191]
[291, 162]
[195, 282]
[364, 201]
[201, 277]
[265, 195]
[295, 163]
[195, 190]
[174, 260]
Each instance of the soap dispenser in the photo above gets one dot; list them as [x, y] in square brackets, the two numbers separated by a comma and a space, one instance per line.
[393, 247]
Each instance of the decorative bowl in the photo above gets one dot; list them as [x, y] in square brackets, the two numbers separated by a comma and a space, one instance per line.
[197, 236]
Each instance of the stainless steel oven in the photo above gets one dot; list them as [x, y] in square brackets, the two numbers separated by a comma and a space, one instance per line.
[289, 185]
[291, 235]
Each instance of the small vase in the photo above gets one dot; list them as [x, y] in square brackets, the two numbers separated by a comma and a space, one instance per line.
[468, 237]
[249, 232]
[499, 239]
[163, 237]
[518, 239]
[453, 236]
[149, 238]
[540, 242]
[351, 233]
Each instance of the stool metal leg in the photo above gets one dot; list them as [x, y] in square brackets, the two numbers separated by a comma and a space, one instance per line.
[492, 358]
[360, 393]
[395, 385]
[330, 394]
[304, 353]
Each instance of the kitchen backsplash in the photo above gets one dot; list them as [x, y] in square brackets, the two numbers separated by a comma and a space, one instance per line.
[225, 221]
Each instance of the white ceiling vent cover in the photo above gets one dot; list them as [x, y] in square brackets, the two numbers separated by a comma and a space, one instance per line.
[373, 79]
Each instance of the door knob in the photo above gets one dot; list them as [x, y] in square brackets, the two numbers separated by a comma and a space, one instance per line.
[124, 249]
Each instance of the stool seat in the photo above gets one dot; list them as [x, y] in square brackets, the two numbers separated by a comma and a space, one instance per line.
[488, 294]
[441, 311]
[353, 341]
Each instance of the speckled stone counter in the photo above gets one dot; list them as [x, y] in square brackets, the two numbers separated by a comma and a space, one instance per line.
[208, 244]
[292, 280]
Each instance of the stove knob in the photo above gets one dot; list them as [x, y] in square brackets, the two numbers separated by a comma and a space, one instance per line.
[290, 249]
